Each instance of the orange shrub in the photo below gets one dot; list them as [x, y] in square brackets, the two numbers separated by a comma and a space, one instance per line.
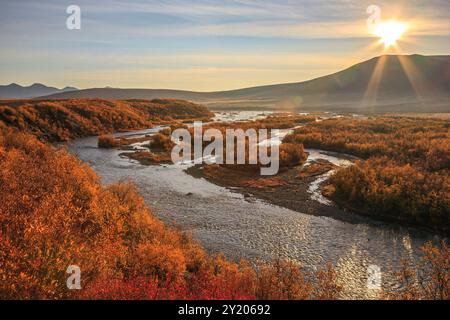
[162, 142]
[61, 120]
[418, 141]
[58, 214]
[108, 142]
[406, 175]
[429, 279]
[55, 213]
[292, 154]
[383, 188]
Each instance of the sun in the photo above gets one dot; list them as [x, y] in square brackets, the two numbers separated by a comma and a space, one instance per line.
[390, 32]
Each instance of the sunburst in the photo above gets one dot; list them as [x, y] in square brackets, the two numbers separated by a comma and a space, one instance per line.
[390, 32]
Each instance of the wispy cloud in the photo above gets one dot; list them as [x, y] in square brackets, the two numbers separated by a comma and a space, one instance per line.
[256, 18]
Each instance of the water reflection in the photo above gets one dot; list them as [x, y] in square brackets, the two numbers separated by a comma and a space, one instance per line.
[224, 221]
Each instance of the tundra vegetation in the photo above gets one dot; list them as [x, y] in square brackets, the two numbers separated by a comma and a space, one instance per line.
[58, 214]
[161, 144]
[62, 120]
[404, 174]
[54, 212]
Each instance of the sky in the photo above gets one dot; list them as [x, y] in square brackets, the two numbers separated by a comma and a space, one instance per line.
[203, 45]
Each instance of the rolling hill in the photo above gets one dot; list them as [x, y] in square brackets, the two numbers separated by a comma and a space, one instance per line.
[380, 84]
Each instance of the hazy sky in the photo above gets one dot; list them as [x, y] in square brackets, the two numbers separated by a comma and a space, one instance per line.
[202, 44]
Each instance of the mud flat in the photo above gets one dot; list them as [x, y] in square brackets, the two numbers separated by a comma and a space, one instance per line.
[292, 188]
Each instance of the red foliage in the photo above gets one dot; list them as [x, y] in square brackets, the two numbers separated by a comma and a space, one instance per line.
[54, 213]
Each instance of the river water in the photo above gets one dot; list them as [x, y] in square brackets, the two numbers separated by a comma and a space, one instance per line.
[225, 221]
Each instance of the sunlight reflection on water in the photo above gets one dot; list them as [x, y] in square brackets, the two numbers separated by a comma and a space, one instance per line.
[225, 221]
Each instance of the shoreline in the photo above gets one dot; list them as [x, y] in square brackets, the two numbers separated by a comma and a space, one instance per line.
[344, 205]
[295, 196]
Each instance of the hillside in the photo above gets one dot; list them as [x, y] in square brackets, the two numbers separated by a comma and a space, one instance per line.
[60, 120]
[377, 85]
[15, 91]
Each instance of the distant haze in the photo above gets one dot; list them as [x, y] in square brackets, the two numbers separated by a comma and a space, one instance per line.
[391, 83]
[15, 91]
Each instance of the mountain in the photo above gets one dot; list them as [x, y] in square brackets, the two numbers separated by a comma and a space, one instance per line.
[15, 91]
[389, 83]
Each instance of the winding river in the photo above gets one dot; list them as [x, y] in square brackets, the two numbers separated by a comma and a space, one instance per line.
[224, 221]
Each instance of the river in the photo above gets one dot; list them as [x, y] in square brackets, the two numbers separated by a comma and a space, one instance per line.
[225, 221]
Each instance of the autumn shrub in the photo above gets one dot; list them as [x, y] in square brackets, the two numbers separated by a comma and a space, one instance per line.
[222, 279]
[166, 131]
[150, 158]
[284, 280]
[327, 286]
[139, 288]
[108, 142]
[58, 214]
[61, 120]
[428, 279]
[247, 140]
[421, 142]
[178, 125]
[292, 154]
[161, 141]
[405, 177]
[381, 187]
[280, 121]
[48, 220]
[172, 109]
[159, 260]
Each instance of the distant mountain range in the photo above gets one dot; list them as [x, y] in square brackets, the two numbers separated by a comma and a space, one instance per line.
[15, 91]
[389, 83]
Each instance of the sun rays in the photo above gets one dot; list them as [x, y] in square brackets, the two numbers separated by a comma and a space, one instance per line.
[391, 33]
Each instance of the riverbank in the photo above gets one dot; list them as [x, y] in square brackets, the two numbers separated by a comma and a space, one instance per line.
[294, 188]
[289, 189]
[328, 191]
[225, 221]
[405, 171]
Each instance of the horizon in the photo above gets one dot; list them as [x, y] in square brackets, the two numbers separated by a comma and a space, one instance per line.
[171, 89]
[208, 46]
